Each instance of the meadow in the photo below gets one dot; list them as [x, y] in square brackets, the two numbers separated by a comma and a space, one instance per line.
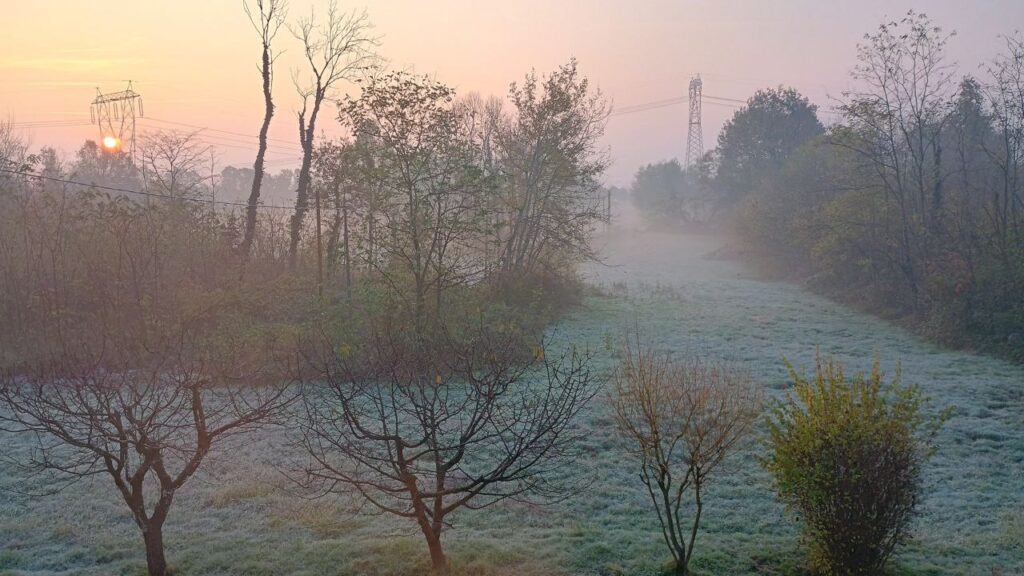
[242, 515]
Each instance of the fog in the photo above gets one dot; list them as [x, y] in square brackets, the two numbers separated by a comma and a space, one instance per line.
[467, 289]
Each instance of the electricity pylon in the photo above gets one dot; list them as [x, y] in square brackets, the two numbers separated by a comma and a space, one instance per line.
[695, 137]
[115, 115]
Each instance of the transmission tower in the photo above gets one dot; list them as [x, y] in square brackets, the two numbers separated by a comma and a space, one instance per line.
[695, 137]
[115, 115]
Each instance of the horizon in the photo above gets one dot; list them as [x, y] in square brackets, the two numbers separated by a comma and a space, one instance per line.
[50, 79]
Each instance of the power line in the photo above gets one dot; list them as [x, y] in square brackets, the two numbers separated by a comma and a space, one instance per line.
[656, 104]
[197, 126]
[51, 123]
[139, 192]
[722, 101]
[245, 147]
[205, 133]
[248, 145]
[45, 126]
[649, 106]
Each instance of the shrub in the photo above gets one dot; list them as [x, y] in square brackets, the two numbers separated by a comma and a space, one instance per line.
[681, 419]
[847, 456]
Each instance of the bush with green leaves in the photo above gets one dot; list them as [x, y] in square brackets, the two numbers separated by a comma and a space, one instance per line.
[847, 456]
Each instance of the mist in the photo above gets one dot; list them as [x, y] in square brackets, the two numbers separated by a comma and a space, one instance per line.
[674, 288]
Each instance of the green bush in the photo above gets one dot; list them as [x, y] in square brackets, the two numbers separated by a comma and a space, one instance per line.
[846, 456]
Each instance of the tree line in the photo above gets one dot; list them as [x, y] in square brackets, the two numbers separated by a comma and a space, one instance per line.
[908, 203]
[392, 321]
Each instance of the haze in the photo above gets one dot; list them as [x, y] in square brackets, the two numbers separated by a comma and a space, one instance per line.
[531, 288]
[192, 60]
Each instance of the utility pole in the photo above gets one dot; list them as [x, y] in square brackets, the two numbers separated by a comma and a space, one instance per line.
[695, 136]
[115, 115]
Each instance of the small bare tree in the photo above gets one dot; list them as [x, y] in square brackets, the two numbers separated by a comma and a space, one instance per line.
[266, 19]
[420, 430]
[173, 162]
[148, 423]
[336, 51]
[13, 150]
[133, 357]
[681, 419]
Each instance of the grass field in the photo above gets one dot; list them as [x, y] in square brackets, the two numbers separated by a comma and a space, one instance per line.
[241, 516]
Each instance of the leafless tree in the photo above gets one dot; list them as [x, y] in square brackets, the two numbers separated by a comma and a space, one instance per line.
[174, 162]
[267, 19]
[13, 149]
[134, 356]
[486, 117]
[147, 419]
[336, 51]
[423, 430]
[14, 158]
[681, 419]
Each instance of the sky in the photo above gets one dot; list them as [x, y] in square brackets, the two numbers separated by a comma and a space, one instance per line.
[195, 61]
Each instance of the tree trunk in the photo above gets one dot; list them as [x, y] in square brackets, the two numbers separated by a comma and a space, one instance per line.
[301, 207]
[431, 529]
[154, 538]
[438, 561]
[258, 165]
[307, 134]
[333, 250]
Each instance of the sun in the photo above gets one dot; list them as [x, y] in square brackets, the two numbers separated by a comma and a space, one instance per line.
[111, 143]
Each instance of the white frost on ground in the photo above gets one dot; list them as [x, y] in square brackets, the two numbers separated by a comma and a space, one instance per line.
[240, 517]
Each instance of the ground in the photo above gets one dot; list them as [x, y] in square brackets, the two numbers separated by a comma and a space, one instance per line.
[242, 516]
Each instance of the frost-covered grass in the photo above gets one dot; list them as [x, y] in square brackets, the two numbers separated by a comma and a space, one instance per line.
[242, 517]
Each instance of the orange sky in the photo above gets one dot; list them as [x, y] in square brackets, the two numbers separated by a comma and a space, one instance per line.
[194, 61]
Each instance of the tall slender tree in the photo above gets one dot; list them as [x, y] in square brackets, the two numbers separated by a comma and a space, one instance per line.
[267, 19]
[339, 49]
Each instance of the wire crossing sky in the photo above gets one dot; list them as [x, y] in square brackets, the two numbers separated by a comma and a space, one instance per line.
[195, 61]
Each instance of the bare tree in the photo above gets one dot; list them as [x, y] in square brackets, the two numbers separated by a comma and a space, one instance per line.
[681, 419]
[173, 162]
[132, 359]
[421, 430]
[13, 149]
[267, 21]
[336, 51]
[147, 419]
[14, 160]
